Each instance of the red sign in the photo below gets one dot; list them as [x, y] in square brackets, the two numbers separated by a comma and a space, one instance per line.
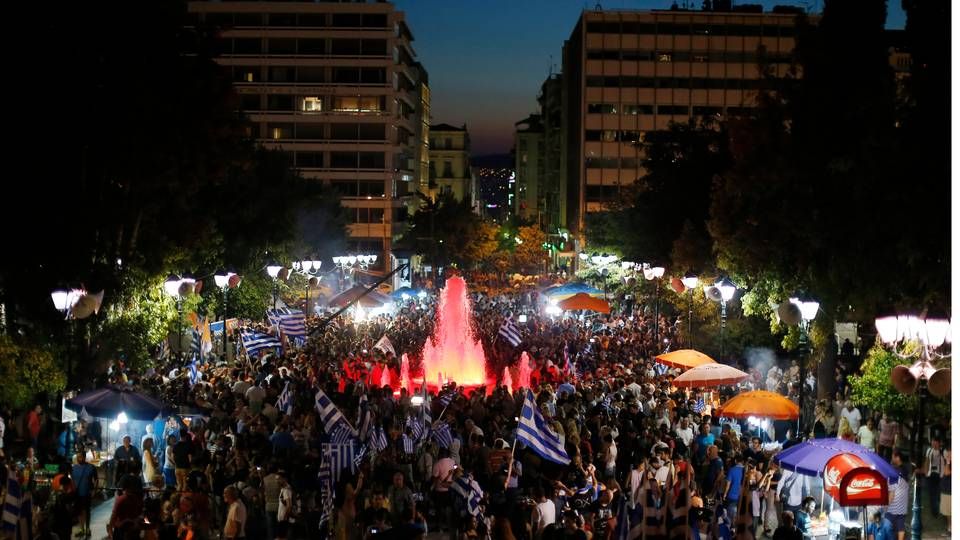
[851, 482]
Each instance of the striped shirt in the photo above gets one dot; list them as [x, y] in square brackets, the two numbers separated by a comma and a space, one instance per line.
[901, 496]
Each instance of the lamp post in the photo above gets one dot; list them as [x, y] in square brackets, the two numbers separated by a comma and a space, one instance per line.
[727, 290]
[808, 312]
[172, 287]
[64, 300]
[921, 378]
[345, 262]
[690, 281]
[222, 279]
[273, 270]
[307, 268]
[655, 273]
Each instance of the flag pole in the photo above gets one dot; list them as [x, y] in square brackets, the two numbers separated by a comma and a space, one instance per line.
[510, 467]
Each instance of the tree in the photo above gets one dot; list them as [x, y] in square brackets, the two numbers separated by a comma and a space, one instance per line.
[27, 371]
[529, 254]
[484, 243]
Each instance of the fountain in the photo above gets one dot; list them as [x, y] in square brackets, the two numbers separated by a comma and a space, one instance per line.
[405, 381]
[525, 370]
[453, 353]
[507, 379]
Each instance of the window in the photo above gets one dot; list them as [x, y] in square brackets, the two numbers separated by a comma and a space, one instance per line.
[672, 109]
[246, 73]
[373, 75]
[602, 163]
[664, 58]
[247, 46]
[638, 55]
[375, 20]
[346, 75]
[312, 46]
[373, 47]
[347, 20]
[639, 28]
[601, 192]
[637, 109]
[447, 169]
[311, 104]
[345, 47]
[601, 108]
[371, 160]
[282, 46]
[706, 111]
[282, 73]
[280, 131]
[250, 102]
[249, 19]
[311, 74]
[312, 20]
[343, 160]
[309, 159]
[310, 131]
[361, 188]
[603, 55]
[629, 163]
[282, 19]
[279, 102]
[367, 215]
[358, 103]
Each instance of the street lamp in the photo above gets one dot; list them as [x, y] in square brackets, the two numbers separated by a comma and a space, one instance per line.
[727, 289]
[690, 281]
[921, 378]
[172, 287]
[223, 280]
[808, 312]
[655, 273]
[310, 269]
[64, 300]
[273, 270]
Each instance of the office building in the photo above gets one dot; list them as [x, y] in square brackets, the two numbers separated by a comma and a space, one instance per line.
[450, 162]
[337, 86]
[528, 151]
[629, 72]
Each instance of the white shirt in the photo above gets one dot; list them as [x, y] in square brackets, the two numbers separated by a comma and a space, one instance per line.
[285, 506]
[546, 513]
[853, 417]
[867, 437]
[255, 394]
[794, 482]
[662, 474]
[236, 519]
[685, 435]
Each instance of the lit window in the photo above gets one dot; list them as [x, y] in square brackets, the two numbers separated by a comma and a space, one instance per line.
[248, 76]
[277, 133]
[664, 57]
[312, 104]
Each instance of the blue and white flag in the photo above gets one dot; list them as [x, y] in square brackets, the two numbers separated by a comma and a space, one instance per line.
[193, 372]
[330, 415]
[408, 444]
[340, 457]
[417, 429]
[379, 439]
[18, 512]
[254, 342]
[533, 431]
[469, 491]
[660, 369]
[699, 406]
[365, 418]
[342, 434]
[325, 480]
[196, 342]
[358, 457]
[285, 401]
[289, 322]
[510, 332]
[441, 435]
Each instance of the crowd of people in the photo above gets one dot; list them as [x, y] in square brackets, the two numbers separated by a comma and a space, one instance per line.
[646, 460]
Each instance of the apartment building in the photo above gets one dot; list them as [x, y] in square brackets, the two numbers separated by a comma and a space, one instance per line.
[337, 86]
[628, 72]
[529, 155]
[450, 162]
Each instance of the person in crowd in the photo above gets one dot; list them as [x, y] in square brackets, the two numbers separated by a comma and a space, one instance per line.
[934, 463]
[84, 477]
[880, 527]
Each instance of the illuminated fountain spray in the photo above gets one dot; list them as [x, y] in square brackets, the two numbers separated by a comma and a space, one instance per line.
[405, 381]
[507, 379]
[452, 353]
[525, 370]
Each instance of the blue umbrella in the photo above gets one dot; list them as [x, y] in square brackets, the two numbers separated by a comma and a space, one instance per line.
[811, 456]
[109, 402]
[566, 291]
[403, 290]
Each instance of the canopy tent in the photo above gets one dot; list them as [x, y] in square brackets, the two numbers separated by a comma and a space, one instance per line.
[109, 402]
[684, 359]
[811, 456]
[398, 294]
[761, 404]
[706, 375]
[566, 291]
[373, 299]
[584, 301]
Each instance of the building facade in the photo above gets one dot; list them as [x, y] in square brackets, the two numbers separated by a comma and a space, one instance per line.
[554, 186]
[626, 73]
[337, 87]
[528, 202]
[450, 162]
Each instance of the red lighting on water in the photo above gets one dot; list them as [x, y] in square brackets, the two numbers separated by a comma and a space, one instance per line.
[453, 353]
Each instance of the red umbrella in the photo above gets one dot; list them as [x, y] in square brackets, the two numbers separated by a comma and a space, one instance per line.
[709, 375]
[684, 359]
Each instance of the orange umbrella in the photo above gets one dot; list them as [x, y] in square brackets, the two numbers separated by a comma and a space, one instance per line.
[709, 375]
[584, 301]
[684, 359]
[760, 403]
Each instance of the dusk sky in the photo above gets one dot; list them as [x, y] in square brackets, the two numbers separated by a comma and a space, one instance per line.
[487, 59]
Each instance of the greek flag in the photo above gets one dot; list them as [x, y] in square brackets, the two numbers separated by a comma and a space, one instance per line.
[358, 458]
[699, 406]
[510, 332]
[330, 415]
[325, 479]
[407, 444]
[417, 429]
[532, 430]
[285, 402]
[18, 512]
[341, 434]
[446, 397]
[469, 490]
[340, 457]
[379, 439]
[196, 341]
[660, 369]
[290, 322]
[254, 342]
[193, 373]
[442, 435]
